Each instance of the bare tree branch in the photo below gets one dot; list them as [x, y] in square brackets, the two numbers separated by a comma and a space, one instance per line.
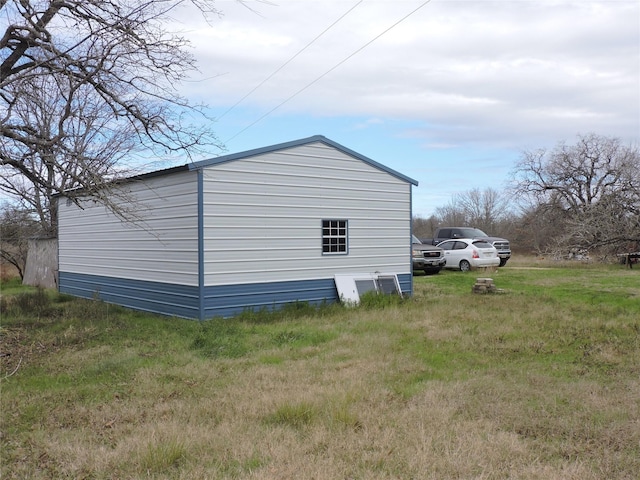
[593, 187]
[86, 84]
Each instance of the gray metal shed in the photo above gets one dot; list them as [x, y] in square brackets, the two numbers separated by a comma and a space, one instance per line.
[252, 230]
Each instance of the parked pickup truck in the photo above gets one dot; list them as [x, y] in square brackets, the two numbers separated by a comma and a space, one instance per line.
[447, 233]
[426, 257]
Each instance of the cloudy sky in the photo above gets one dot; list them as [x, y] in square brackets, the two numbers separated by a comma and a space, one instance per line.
[447, 92]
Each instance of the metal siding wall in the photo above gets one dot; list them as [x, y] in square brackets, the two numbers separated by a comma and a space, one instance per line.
[219, 301]
[261, 229]
[262, 217]
[156, 297]
[163, 247]
[229, 300]
[406, 283]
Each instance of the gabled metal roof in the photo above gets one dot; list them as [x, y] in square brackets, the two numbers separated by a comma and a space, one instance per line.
[298, 143]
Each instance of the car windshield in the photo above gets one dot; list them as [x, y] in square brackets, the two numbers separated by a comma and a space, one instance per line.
[472, 233]
[415, 239]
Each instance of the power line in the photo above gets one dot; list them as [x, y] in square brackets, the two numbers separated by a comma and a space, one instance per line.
[329, 71]
[289, 61]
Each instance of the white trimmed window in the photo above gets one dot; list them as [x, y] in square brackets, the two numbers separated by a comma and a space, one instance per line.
[334, 237]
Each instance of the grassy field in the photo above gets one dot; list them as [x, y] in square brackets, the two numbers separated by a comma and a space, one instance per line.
[541, 381]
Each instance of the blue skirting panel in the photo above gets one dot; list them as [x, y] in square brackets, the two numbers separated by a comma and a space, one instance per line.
[406, 283]
[218, 301]
[156, 297]
[229, 300]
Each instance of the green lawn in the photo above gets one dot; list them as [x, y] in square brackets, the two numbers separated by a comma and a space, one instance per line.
[540, 381]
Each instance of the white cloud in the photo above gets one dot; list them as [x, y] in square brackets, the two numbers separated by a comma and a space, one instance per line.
[456, 74]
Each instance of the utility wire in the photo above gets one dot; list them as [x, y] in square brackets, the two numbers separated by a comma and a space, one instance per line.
[328, 71]
[289, 61]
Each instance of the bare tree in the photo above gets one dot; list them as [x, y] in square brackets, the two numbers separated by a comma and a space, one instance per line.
[593, 188]
[537, 229]
[84, 83]
[483, 209]
[424, 227]
[451, 214]
[90, 151]
[16, 226]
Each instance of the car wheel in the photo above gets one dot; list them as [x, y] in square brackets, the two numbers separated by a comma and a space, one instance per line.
[503, 261]
[465, 266]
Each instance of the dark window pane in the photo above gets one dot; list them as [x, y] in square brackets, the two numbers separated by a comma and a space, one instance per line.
[334, 236]
[363, 286]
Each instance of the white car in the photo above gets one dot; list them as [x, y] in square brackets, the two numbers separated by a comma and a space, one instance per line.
[467, 253]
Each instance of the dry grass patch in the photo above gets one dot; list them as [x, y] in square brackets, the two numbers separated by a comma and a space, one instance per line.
[535, 383]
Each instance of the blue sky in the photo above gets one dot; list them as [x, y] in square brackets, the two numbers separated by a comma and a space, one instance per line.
[446, 92]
